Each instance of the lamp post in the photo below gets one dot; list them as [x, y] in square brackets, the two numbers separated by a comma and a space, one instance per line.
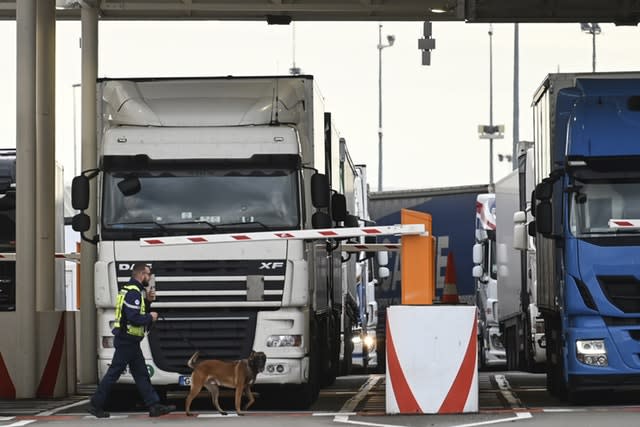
[594, 29]
[390, 39]
[491, 131]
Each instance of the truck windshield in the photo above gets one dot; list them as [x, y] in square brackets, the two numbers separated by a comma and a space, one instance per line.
[221, 200]
[593, 204]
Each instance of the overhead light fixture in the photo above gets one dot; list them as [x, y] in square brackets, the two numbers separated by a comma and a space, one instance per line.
[436, 10]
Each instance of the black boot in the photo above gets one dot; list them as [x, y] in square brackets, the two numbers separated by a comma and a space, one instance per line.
[98, 412]
[157, 410]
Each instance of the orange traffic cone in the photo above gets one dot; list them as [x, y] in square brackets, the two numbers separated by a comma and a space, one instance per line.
[450, 292]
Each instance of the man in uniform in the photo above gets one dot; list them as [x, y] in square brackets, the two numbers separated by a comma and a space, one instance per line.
[131, 322]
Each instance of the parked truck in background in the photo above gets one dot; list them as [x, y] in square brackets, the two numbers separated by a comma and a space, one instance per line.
[453, 221]
[522, 323]
[490, 349]
[7, 228]
[8, 189]
[222, 155]
[587, 222]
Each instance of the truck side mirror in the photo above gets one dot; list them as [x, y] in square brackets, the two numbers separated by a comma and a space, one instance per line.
[478, 255]
[520, 237]
[544, 218]
[129, 186]
[533, 203]
[477, 271]
[383, 258]
[80, 222]
[338, 207]
[351, 221]
[321, 220]
[80, 193]
[320, 190]
[544, 190]
[520, 231]
[383, 272]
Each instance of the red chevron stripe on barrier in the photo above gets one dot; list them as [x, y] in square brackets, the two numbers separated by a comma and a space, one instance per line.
[50, 374]
[459, 391]
[405, 398]
[7, 389]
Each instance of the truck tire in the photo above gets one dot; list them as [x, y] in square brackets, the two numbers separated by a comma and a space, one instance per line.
[482, 359]
[555, 359]
[346, 362]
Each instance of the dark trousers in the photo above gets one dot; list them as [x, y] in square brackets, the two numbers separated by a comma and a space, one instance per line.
[127, 352]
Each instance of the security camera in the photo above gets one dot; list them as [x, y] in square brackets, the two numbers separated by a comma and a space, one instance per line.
[391, 39]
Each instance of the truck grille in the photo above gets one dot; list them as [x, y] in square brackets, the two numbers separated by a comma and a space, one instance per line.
[622, 291]
[208, 306]
[214, 283]
[218, 334]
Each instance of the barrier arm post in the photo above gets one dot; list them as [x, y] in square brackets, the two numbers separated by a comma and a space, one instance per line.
[417, 261]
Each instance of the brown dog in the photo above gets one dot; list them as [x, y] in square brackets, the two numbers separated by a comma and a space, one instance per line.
[212, 374]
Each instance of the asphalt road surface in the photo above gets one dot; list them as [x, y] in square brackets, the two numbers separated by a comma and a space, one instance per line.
[504, 397]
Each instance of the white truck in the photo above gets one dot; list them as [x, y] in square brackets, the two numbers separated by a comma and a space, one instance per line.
[363, 337]
[490, 349]
[520, 323]
[222, 155]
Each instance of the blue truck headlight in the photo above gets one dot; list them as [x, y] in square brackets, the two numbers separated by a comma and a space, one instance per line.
[284, 341]
[592, 352]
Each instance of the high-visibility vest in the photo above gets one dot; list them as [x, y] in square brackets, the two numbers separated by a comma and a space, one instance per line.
[135, 330]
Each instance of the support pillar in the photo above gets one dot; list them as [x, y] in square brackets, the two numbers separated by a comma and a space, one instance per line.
[25, 378]
[45, 155]
[88, 353]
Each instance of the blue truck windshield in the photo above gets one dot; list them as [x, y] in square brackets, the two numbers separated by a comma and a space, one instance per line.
[220, 200]
[592, 205]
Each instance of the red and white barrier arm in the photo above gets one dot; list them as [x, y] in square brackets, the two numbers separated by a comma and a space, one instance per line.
[326, 233]
[71, 256]
[624, 223]
[370, 247]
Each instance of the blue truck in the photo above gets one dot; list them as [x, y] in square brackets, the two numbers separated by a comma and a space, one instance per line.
[587, 228]
[453, 211]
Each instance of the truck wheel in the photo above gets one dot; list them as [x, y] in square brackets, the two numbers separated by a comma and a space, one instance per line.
[482, 358]
[346, 362]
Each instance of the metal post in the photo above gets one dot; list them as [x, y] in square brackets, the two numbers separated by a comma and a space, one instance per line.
[88, 353]
[26, 377]
[491, 105]
[516, 95]
[593, 32]
[45, 155]
[380, 107]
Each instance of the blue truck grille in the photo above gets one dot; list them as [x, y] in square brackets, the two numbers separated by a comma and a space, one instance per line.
[622, 291]
[221, 334]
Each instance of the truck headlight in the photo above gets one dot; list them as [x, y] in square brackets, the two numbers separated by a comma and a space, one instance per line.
[284, 341]
[592, 352]
[356, 339]
[369, 342]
